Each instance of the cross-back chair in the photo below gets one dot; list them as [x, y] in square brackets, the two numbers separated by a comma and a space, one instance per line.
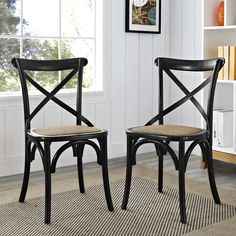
[74, 136]
[162, 135]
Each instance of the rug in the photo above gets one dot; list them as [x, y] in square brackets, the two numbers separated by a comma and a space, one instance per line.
[148, 213]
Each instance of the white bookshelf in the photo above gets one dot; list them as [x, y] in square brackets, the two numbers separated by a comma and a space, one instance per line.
[222, 28]
[214, 36]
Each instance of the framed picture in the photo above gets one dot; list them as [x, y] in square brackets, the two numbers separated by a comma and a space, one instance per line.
[143, 16]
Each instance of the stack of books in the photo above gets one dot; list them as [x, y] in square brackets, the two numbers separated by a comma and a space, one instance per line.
[228, 72]
[222, 128]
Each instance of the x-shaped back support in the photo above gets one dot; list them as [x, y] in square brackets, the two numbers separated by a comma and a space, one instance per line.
[51, 96]
[189, 96]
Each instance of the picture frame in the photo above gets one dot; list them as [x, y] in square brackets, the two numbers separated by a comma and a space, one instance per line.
[143, 16]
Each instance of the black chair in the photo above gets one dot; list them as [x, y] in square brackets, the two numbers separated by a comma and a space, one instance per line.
[161, 135]
[73, 136]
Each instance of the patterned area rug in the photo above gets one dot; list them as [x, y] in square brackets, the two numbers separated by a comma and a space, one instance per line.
[148, 213]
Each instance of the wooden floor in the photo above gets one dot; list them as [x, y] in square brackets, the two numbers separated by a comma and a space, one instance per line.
[225, 173]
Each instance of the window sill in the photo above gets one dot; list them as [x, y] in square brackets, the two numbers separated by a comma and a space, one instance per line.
[15, 99]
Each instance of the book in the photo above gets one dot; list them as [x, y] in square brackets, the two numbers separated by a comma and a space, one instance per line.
[232, 63]
[215, 130]
[226, 66]
[221, 54]
[222, 128]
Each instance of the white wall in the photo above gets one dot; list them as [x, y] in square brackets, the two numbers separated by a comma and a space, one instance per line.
[185, 42]
[130, 98]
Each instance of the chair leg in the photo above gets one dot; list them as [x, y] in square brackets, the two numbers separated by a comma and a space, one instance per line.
[26, 174]
[103, 144]
[212, 178]
[80, 150]
[160, 174]
[160, 152]
[47, 163]
[128, 174]
[183, 217]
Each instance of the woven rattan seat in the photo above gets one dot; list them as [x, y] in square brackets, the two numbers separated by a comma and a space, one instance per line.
[168, 130]
[65, 130]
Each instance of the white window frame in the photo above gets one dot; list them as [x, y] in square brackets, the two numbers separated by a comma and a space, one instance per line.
[102, 55]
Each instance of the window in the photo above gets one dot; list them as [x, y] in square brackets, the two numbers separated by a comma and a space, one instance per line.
[50, 29]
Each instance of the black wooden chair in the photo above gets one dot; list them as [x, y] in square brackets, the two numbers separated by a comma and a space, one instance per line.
[73, 136]
[161, 135]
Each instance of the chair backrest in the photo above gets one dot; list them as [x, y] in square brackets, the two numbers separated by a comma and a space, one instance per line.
[72, 67]
[168, 65]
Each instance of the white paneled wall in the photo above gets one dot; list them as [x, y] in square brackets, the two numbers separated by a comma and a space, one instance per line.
[2, 134]
[185, 42]
[130, 96]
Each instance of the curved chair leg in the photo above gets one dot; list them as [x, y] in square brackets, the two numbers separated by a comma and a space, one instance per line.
[212, 177]
[26, 173]
[159, 152]
[128, 174]
[47, 163]
[80, 150]
[103, 144]
[183, 217]
[160, 174]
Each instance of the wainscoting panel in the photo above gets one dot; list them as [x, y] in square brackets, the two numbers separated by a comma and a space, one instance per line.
[146, 78]
[67, 118]
[103, 115]
[52, 115]
[14, 135]
[176, 47]
[38, 120]
[188, 46]
[118, 68]
[2, 135]
[185, 42]
[132, 79]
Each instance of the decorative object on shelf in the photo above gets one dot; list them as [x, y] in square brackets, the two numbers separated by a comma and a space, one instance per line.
[221, 54]
[229, 69]
[226, 66]
[220, 14]
[232, 63]
[222, 132]
[143, 16]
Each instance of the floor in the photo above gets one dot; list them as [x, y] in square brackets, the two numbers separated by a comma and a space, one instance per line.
[66, 179]
[225, 173]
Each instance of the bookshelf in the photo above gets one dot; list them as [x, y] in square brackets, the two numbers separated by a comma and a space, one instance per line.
[214, 36]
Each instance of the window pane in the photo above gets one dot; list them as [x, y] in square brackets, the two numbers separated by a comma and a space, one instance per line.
[41, 18]
[9, 17]
[38, 36]
[80, 48]
[48, 80]
[77, 17]
[42, 49]
[9, 81]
